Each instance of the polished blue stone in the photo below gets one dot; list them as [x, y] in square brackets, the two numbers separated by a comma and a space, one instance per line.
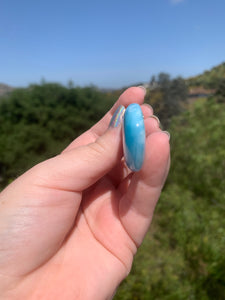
[134, 137]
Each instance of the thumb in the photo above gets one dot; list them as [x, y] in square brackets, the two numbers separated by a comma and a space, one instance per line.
[81, 167]
[38, 209]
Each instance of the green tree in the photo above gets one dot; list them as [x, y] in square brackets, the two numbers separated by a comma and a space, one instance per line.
[39, 121]
[220, 92]
[167, 96]
[183, 255]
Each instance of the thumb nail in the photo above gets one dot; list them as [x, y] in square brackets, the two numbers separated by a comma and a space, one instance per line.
[117, 117]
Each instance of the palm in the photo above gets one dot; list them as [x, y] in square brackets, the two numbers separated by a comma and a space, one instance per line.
[98, 228]
[107, 250]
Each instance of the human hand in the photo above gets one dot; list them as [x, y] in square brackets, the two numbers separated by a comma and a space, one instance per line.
[70, 226]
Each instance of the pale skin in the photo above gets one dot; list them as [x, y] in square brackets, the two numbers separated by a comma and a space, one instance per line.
[70, 226]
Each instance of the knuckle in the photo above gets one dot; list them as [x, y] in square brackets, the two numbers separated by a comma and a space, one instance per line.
[99, 148]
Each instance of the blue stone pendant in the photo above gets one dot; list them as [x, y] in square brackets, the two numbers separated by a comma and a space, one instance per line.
[134, 137]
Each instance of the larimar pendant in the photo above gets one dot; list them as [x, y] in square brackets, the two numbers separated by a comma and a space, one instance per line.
[134, 137]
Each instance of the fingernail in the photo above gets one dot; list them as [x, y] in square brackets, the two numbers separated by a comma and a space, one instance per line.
[166, 132]
[117, 117]
[156, 118]
[143, 88]
[148, 105]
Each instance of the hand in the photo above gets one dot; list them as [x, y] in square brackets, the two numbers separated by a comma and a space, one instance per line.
[70, 226]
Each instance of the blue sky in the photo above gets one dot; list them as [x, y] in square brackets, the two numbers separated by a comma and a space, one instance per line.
[108, 43]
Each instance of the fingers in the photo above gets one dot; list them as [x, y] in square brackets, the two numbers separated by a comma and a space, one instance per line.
[137, 205]
[131, 95]
[77, 169]
[152, 125]
[119, 172]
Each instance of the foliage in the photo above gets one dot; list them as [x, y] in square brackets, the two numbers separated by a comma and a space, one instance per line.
[167, 96]
[200, 153]
[220, 92]
[183, 255]
[209, 79]
[39, 121]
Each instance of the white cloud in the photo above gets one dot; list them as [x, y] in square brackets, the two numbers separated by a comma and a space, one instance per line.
[176, 1]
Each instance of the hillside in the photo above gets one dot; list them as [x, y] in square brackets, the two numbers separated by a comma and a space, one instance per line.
[182, 256]
[209, 79]
[4, 89]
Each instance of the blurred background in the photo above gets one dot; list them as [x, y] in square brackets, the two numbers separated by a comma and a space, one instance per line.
[64, 63]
